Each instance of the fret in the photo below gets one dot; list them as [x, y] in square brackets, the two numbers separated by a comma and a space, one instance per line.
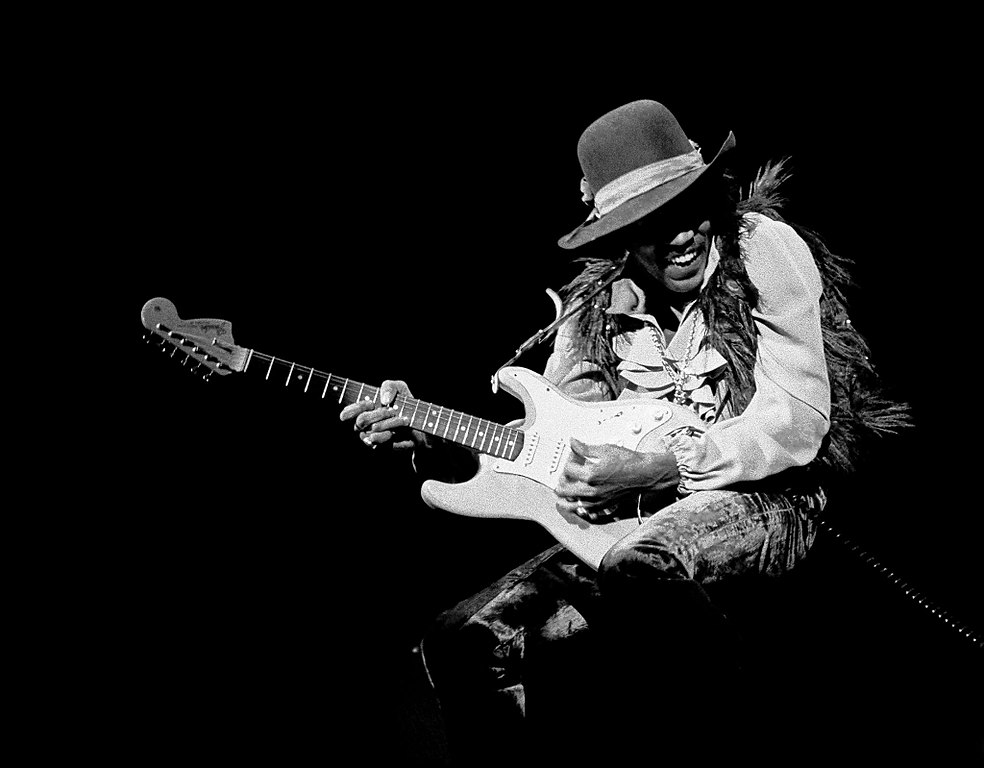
[359, 396]
[485, 436]
[269, 369]
[342, 395]
[440, 414]
[432, 425]
[290, 373]
[500, 444]
[475, 435]
[413, 416]
[308, 382]
[446, 426]
[248, 358]
[325, 390]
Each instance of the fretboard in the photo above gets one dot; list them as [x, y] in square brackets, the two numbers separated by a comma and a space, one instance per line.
[470, 431]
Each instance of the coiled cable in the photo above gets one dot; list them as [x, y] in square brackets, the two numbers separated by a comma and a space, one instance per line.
[962, 629]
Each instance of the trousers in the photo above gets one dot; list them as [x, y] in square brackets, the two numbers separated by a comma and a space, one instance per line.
[555, 657]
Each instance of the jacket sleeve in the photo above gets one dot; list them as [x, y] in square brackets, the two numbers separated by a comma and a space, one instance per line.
[789, 415]
[575, 377]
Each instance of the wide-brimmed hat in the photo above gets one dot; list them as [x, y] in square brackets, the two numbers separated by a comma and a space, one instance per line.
[635, 159]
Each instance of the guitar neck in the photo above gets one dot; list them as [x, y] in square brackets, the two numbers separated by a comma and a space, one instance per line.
[470, 431]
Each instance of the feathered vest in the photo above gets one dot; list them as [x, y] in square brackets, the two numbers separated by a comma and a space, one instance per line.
[860, 409]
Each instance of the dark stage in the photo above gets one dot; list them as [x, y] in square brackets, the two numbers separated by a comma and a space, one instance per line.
[271, 577]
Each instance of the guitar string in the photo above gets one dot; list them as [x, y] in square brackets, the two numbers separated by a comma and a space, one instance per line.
[445, 415]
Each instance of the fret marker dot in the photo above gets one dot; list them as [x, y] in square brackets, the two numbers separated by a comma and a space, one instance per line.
[463, 429]
[430, 424]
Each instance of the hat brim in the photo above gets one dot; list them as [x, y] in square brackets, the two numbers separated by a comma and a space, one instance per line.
[642, 205]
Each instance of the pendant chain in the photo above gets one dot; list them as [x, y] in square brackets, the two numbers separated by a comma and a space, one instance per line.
[681, 374]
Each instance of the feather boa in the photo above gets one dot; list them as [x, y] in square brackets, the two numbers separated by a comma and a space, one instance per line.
[860, 408]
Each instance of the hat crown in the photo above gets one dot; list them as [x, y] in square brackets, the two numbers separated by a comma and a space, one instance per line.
[630, 137]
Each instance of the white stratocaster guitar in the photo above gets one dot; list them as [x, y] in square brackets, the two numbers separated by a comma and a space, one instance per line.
[519, 466]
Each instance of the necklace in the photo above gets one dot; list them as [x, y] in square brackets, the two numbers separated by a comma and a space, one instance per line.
[681, 374]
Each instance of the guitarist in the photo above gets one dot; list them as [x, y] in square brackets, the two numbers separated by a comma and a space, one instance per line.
[722, 307]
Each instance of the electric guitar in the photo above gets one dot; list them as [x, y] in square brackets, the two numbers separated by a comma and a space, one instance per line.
[519, 466]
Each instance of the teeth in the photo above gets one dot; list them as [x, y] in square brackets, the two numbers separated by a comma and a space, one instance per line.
[683, 260]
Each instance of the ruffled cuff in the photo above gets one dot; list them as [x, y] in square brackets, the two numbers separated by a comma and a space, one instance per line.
[686, 449]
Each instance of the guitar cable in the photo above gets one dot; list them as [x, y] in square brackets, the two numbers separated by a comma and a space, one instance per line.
[962, 629]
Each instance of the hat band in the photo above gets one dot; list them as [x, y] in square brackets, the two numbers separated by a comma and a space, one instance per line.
[643, 179]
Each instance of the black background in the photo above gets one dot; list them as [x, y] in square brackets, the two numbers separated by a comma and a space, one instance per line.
[393, 213]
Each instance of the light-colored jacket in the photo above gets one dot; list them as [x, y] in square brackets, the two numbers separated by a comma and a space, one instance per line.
[789, 414]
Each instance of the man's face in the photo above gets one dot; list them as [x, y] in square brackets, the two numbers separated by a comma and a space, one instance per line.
[674, 247]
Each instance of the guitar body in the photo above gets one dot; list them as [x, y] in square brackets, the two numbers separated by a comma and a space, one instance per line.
[524, 488]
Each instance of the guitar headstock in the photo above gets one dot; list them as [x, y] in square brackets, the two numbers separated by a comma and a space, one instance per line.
[208, 342]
